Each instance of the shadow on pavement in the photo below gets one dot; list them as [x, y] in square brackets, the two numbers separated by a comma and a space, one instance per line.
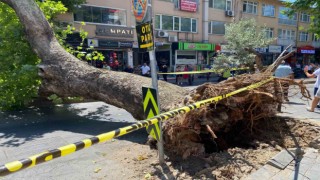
[19, 127]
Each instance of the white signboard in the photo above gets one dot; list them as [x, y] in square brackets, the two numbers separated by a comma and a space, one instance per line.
[274, 49]
[306, 51]
[186, 61]
[93, 42]
[261, 50]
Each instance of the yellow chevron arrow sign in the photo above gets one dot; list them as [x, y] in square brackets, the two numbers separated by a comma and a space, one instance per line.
[151, 109]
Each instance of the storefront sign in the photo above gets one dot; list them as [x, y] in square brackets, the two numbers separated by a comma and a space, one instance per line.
[307, 51]
[125, 44]
[145, 36]
[196, 46]
[188, 5]
[114, 31]
[186, 61]
[261, 50]
[275, 49]
[115, 44]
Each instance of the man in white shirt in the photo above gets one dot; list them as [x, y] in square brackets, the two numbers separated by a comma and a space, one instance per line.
[316, 98]
[145, 69]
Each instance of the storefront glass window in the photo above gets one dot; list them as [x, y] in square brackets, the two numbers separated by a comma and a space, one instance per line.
[100, 15]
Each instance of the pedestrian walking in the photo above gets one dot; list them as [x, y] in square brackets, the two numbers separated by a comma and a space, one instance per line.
[316, 92]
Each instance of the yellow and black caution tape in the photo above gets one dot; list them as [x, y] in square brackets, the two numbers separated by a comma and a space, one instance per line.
[206, 71]
[71, 148]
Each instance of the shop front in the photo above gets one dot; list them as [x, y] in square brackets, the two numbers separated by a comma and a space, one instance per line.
[306, 55]
[116, 44]
[195, 55]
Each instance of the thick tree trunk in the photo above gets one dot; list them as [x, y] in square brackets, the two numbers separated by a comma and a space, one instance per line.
[65, 75]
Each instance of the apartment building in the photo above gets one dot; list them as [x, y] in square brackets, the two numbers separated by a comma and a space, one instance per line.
[189, 31]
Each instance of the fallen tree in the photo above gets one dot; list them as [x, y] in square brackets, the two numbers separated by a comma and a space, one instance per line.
[65, 75]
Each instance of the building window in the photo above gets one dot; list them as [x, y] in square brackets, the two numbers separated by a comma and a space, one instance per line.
[102, 15]
[167, 23]
[221, 4]
[268, 10]
[157, 22]
[304, 17]
[175, 23]
[216, 27]
[285, 19]
[303, 36]
[315, 38]
[268, 32]
[286, 34]
[250, 7]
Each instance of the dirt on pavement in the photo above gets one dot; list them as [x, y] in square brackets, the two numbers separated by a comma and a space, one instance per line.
[248, 150]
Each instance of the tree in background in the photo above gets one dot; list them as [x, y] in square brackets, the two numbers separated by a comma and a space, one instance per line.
[310, 7]
[242, 38]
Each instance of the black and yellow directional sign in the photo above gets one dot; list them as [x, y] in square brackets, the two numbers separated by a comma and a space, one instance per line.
[145, 36]
[151, 109]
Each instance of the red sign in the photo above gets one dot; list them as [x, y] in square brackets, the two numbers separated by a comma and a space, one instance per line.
[306, 50]
[188, 5]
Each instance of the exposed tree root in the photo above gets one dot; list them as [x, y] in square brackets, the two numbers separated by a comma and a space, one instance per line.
[198, 130]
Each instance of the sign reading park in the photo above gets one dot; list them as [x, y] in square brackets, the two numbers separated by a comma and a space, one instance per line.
[145, 36]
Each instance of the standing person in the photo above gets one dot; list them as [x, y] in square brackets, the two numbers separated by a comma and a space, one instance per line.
[128, 69]
[164, 70]
[316, 91]
[145, 70]
[284, 71]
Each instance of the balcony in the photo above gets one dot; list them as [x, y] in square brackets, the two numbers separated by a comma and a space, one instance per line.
[286, 42]
[288, 22]
[316, 44]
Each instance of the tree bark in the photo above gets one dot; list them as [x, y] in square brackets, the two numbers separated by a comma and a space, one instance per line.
[65, 75]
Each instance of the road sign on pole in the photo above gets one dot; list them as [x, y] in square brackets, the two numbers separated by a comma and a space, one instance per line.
[142, 11]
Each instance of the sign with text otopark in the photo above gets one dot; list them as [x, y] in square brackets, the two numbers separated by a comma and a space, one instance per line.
[145, 36]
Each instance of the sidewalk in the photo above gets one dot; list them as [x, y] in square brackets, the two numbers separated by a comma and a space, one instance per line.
[297, 164]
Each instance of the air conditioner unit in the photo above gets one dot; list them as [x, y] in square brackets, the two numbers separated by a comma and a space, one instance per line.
[172, 38]
[229, 13]
[162, 34]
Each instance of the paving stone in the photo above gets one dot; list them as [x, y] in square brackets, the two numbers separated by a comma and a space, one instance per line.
[306, 160]
[313, 175]
[296, 176]
[283, 175]
[266, 172]
[282, 159]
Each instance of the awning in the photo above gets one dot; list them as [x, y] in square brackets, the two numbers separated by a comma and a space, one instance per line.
[306, 50]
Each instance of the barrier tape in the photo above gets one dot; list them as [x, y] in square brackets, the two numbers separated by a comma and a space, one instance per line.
[71, 148]
[205, 71]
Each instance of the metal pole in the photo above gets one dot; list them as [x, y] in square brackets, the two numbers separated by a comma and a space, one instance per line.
[154, 76]
[155, 86]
